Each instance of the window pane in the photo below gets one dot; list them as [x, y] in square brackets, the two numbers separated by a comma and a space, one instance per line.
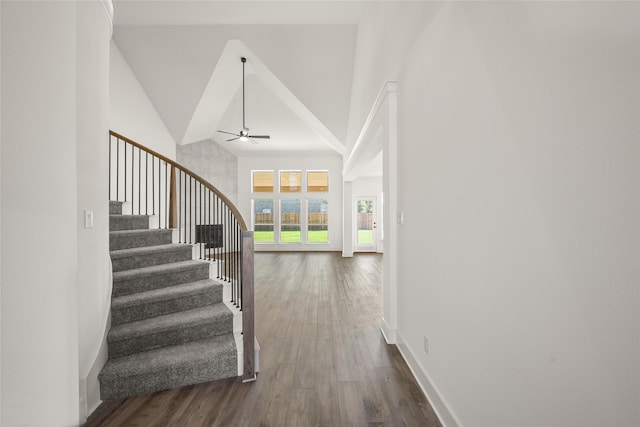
[290, 181]
[318, 182]
[290, 221]
[318, 221]
[263, 221]
[263, 181]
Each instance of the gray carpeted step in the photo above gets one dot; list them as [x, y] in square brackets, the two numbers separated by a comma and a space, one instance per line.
[128, 222]
[158, 276]
[115, 208]
[169, 329]
[126, 239]
[156, 302]
[169, 325]
[129, 259]
[169, 367]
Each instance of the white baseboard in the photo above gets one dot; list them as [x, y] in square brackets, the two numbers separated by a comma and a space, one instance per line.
[438, 403]
[388, 333]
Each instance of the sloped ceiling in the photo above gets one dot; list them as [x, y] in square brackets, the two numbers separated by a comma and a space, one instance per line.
[298, 74]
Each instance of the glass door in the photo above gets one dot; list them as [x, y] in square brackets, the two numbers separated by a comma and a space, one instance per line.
[366, 227]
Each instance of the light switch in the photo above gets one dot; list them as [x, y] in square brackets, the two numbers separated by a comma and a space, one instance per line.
[88, 219]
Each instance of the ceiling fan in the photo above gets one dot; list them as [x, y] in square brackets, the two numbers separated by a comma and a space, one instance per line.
[244, 133]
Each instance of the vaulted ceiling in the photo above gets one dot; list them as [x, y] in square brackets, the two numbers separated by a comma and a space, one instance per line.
[299, 71]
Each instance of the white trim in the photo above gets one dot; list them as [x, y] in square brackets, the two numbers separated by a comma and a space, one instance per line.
[354, 207]
[108, 7]
[438, 403]
[357, 150]
[389, 333]
[389, 213]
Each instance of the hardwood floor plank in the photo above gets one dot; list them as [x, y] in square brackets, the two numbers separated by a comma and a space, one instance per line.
[352, 411]
[323, 360]
[303, 408]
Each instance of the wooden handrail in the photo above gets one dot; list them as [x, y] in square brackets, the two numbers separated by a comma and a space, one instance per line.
[207, 184]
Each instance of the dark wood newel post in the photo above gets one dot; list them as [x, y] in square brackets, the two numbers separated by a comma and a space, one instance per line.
[248, 326]
[173, 203]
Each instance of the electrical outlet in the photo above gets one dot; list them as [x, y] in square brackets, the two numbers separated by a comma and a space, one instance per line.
[426, 344]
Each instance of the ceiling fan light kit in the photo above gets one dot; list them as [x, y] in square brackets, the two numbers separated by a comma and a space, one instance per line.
[244, 133]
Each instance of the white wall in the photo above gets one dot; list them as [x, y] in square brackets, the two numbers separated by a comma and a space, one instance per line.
[519, 253]
[94, 267]
[307, 162]
[39, 215]
[131, 112]
[385, 33]
[0, 216]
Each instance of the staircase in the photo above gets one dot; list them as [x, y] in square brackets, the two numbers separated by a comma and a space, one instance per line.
[169, 325]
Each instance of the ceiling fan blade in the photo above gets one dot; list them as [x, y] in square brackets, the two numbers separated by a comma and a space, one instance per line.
[232, 139]
[228, 133]
[260, 136]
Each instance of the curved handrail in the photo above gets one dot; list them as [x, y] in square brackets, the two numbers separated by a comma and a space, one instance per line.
[207, 184]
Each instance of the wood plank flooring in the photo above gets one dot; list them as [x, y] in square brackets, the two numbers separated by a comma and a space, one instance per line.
[323, 360]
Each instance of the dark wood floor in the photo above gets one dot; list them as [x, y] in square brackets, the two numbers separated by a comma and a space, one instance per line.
[323, 361]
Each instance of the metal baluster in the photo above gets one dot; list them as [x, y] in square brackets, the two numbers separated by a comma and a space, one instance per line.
[218, 249]
[241, 277]
[201, 224]
[210, 222]
[159, 190]
[146, 183]
[133, 167]
[110, 145]
[117, 169]
[178, 195]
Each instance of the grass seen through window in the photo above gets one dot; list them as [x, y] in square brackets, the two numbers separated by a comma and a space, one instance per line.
[317, 236]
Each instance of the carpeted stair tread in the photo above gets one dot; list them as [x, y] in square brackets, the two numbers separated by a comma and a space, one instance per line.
[115, 208]
[179, 320]
[132, 258]
[128, 222]
[158, 269]
[167, 357]
[155, 295]
[158, 276]
[195, 362]
[125, 239]
[156, 302]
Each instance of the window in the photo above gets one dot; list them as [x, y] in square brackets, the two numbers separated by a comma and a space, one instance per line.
[290, 181]
[263, 221]
[317, 221]
[317, 181]
[263, 181]
[297, 209]
[290, 221]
